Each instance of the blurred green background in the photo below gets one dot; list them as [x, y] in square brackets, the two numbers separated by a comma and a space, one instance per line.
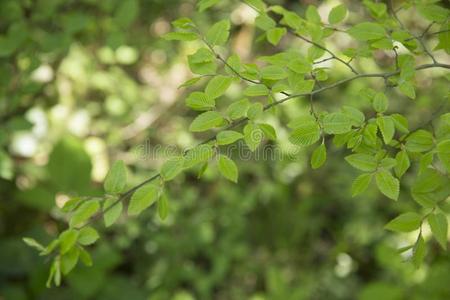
[83, 83]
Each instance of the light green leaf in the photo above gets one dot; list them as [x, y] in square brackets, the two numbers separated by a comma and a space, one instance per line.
[33, 243]
[110, 215]
[171, 168]
[163, 207]
[198, 154]
[406, 222]
[69, 260]
[264, 22]
[380, 102]
[180, 36]
[439, 227]
[85, 257]
[67, 240]
[200, 101]
[268, 131]
[337, 14]
[403, 163]
[88, 236]
[419, 141]
[218, 34]
[312, 14]
[217, 86]
[274, 35]
[356, 117]
[363, 162]
[336, 123]
[205, 4]
[257, 4]
[253, 136]
[367, 31]
[238, 109]
[407, 88]
[228, 168]
[143, 198]
[433, 12]
[205, 121]
[227, 137]
[319, 156]
[84, 212]
[387, 128]
[400, 122]
[387, 184]
[273, 73]
[202, 62]
[255, 111]
[256, 90]
[361, 183]
[388, 163]
[116, 180]
[306, 131]
[443, 152]
[419, 251]
[190, 82]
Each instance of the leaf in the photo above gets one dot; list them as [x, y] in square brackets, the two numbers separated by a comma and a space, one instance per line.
[33, 243]
[319, 156]
[400, 122]
[336, 123]
[306, 131]
[433, 12]
[419, 250]
[403, 163]
[69, 260]
[218, 34]
[205, 121]
[259, 5]
[116, 179]
[406, 222]
[264, 22]
[419, 141]
[85, 257]
[256, 90]
[205, 4]
[300, 66]
[202, 62]
[380, 102]
[171, 168]
[71, 204]
[387, 128]
[274, 35]
[367, 31]
[387, 184]
[143, 198]
[110, 215]
[407, 89]
[180, 36]
[253, 136]
[67, 240]
[217, 86]
[273, 73]
[228, 168]
[355, 116]
[84, 212]
[255, 111]
[198, 154]
[363, 162]
[388, 163]
[190, 82]
[443, 152]
[268, 131]
[163, 207]
[238, 109]
[227, 137]
[439, 227]
[200, 101]
[360, 184]
[337, 14]
[87, 236]
[312, 15]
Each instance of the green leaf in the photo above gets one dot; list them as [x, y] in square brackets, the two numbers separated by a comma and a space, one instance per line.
[183, 23]
[306, 131]
[116, 180]
[439, 227]
[218, 34]
[274, 35]
[403, 163]
[110, 215]
[205, 121]
[163, 207]
[407, 89]
[253, 136]
[227, 137]
[301, 66]
[387, 128]
[419, 250]
[87, 236]
[380, 102]
[143, 198]
[67, 240]
[171, 168]
[218, 86]
[205, 4]
[387, 184]
[202, 62]
[419, 141]
[228, 168]
[256, 90]
[433, 12]
[200, 101]
[255, 111]
[259, 5]
[363, 162]
[400, 122]
[69, 260]
[238, 109]
[273, 73]
[180, 36]
[268, 131]
[265, 22]
[190, 82]
[361, 183]
[337, 14]
[71, 204]
[85, 257]
[388, 163]
[406, 222]
[33, 243]
[84, 212]
[312, 14]
[367, 31]
[198, 154]
[319, 156]
[355, 116]
[443, 152]
[336, 123]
